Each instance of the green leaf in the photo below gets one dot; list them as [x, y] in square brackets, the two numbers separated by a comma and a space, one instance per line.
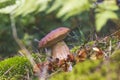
[7, 6]
[4, 3]
[108, 5]
[73, 7]
[7, 9]
[29, 6]
[25, 7]
[103, 17]
[55, 5]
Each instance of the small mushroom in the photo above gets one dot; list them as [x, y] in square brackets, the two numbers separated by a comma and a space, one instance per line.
[54, 40]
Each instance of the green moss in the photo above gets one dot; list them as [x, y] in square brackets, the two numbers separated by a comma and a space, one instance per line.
[80, 71]
[14, 68]
[116, 56]
[90, 70]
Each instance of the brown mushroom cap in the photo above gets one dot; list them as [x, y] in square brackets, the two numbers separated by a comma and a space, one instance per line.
[53, 37]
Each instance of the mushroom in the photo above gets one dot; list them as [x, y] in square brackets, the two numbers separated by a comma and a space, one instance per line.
[54, 40]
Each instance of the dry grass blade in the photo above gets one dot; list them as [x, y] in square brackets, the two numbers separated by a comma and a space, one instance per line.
[8, 70]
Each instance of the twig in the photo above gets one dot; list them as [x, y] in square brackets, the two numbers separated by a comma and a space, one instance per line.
[28, 76]
[19, 42]
[54, 73]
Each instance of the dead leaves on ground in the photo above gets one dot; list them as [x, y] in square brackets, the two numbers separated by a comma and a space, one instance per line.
[72, 59]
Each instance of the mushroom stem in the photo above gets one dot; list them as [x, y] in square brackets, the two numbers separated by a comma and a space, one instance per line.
[60, 50]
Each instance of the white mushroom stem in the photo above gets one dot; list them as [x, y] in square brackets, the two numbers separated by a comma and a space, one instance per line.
[60, 50]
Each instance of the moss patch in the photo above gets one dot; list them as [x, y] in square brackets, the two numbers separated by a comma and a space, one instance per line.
[15, 68]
